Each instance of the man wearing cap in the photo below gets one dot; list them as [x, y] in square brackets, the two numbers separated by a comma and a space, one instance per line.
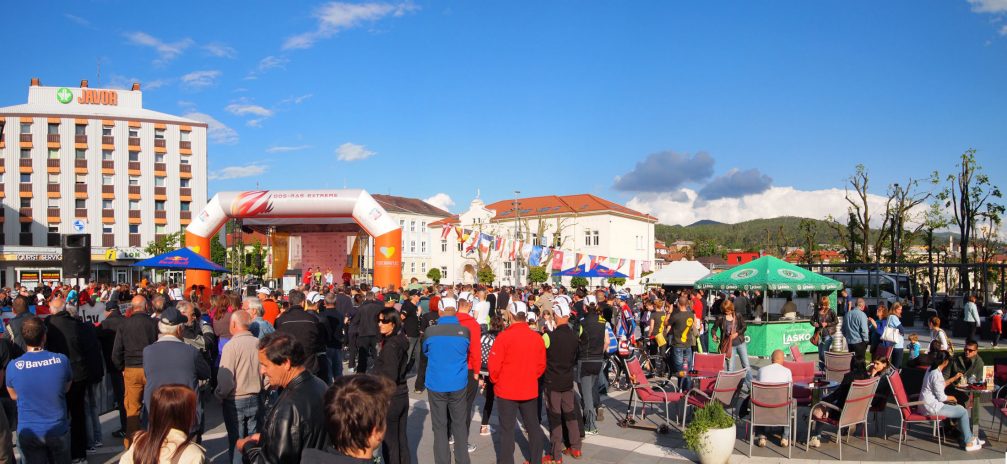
[411, 324]
[169, 360]
[270, 310]
[323, 368]
[562, 347]
[366, 321]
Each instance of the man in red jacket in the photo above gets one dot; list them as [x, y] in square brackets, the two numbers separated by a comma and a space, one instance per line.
[475, 359]
[515, 363]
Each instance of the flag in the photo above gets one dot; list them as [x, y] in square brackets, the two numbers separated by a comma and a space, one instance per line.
[502, 249]
[557, 260]
[577, 262]
[526, 251]
[484, 243]
[632, 269]
[569, 260]
[498, 243]
[595, 261]
[460, 234]
[471, 241]
[445, 231]
[646, 266]
[535, 257]
[513, 250]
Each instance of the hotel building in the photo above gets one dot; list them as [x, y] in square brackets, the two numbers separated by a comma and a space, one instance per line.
[83, 160]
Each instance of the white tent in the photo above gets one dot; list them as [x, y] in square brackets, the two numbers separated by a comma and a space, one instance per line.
[683, 273]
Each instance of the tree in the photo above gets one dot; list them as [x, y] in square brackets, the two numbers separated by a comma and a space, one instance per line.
[969, 194]
[860, 209]
[486, 275]
[578, 282]
[704, 248]
[537, 274]
[164, 244]
[617, 281]
[434, 275]
[808, 233]
[218, 253]
[255, 261]
[933, 220]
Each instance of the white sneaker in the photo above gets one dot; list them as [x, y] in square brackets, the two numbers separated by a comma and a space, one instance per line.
[472, 447]
[815, 442]
[451, 440]
[484, 430]
[981, 441]
[973, 446]
[760, 441]
[784, 442]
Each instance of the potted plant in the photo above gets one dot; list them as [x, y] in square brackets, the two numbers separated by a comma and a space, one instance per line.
[711, 434]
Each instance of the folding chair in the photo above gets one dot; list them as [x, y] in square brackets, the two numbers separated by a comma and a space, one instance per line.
[908, 416]
[837, 365]
[708, 364]
[1000, 396]
[647, 393]
[854, 412]
[724, 390]
[883, 352]
[772, 405]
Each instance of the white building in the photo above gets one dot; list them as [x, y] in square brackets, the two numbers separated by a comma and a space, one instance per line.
[418, 238]
[83, 160]
[574, 223]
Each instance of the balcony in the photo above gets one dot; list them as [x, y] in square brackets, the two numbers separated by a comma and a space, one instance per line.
[160, 143]
[26, 162]
[52, 188]
[52, 138]
[108, 240]
[134, 141]
[185, 192]
[185, 168]
[160, 167]
[24, 212]
[185, 145]
[134, 166]
[160, 191]
[52, 163]
[107, 189]
[80, 212]
[107, 164]
[80, 164]
[25, 187]
[108, 213]
[80, 188]
[80, 138]
[158, 237]
[107, 140]
[52, 212]
[185, 215]
[26, 138]
[134, 189]
[134, 214]
[160, 214]
[134, 240]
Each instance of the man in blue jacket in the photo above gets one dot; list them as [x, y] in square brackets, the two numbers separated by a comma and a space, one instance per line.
[855, 328]
[445, 355]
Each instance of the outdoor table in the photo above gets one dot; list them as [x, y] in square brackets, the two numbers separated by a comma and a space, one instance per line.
[697, 377]
[817, 388]
[975, 400]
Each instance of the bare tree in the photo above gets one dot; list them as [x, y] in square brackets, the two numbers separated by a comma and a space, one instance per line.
[860, 208]
[906, 197]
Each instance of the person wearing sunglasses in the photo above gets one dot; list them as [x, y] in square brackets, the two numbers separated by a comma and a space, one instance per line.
[964, 365]
[393, 363]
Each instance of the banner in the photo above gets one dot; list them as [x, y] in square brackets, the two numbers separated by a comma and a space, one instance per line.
[763, 339]
[557, 260]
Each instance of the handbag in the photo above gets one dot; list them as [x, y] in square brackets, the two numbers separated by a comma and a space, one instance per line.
[816, 338]
[891, 335]
[661, 340]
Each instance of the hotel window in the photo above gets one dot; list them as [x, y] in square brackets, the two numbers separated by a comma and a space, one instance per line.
[25, 227]
[159, 157]
[444, 272]
[106, 204]
[53, 153]
[134, 180]
[26, 128]
[159, 181]
[159, 134]
[25, 178]
[159, 205]
[423, 227]
[25, 153]
[106, 180]
[106, 155]
[134, 228]
[459, 246]
[160, 229]
[507, 268]
[594, 235]
[444, 246]
[183, 160]
[106, 229]
[80, 154]
[106, 131]
[53, 178]
[412, 226]
[134, 132]
[80, 179]
[412, 268]
[53, 129]
[587, 237]
[423, 247]
[134, 205]
[54, 202]
[134, 156]
[26, 202]
[184, 206]
[184, 182]
[412, 246]
[80, 129]
[184, 136]
[402, 224]
[423, 268]
[80, 203]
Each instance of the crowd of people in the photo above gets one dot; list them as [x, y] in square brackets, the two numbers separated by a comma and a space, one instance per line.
[320, 373]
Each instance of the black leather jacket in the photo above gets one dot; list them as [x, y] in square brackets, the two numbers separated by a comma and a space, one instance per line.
[296, 422]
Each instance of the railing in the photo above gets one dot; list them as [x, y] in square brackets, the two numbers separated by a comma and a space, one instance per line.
[185, 145]
[26, 138]
[134, 141]
[161, 167]
[157, 237]
[184, 168]
[160, 190]
[185, 191]
[160, 214]
[107, 189]
[52, 163]
[52, 138]
[24, 212]
[107, 240]
[108, 213]
[53, 188]
[80, 212]
[185, 215]
[134, 189]
[134, 213]
[107, 140]
[80, 139]
[25, 162]
[25, 187]
[52, 212]
[107, 164]
[134, 165]
[160, 143]
[80, 164]
[134, 240]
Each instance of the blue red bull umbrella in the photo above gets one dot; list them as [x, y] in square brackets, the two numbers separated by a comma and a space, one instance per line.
[182, 258]
[597, 271]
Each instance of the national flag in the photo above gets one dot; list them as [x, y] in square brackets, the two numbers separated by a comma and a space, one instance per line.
[595, 261]
[569, 261]
[512, 255]
[460, 234]
[484, 243]
[632, 269]
[445, 231]
[498, 243]
[557, 260]
[471, 240]
[535, 257]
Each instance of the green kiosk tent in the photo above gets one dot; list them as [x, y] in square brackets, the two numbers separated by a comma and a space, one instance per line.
[773, 274]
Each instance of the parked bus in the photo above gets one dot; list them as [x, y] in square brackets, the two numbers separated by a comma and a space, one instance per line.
[878, 287]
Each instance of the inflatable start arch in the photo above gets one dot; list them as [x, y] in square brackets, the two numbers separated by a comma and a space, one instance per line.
[285, 207]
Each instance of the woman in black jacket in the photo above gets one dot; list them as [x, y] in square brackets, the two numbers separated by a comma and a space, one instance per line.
[393, 363]
[731, 339]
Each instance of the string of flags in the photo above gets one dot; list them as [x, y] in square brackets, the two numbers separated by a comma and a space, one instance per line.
[534, 254]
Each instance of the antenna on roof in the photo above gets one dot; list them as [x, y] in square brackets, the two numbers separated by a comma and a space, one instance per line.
[97, 62]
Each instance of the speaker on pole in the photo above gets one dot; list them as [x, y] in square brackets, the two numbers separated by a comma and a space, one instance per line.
[76, 255]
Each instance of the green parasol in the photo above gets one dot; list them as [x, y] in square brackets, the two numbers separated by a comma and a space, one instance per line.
[769, 273]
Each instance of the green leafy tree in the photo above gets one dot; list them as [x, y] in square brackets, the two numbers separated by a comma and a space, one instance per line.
[617, 281]
[164, 244]
[537, 274]
[218, 253]
[486, 275]
[434, 275]
[255, 261]
[578, 282]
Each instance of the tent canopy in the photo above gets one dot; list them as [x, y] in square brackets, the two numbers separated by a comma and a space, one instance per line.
[182, 258]
[769, 273]
[682, 273]
[597, 271]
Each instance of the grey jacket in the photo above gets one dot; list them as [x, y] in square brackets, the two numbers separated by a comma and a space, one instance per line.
[855, 327]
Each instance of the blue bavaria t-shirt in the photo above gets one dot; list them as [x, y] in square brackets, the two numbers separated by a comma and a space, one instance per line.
[39, 378]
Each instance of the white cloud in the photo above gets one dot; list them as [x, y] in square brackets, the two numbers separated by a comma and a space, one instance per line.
[267, 63]
[299, 99]
[244, 109]
[220, 50]
[236, 172]
[165, 51]
[285, 149]
[200, 79]
[1003, 30]
[441, 200]
[154, 84]
[682, 207]
[79, 20]
[989, 6]
[353, 152]
[334, 17]
[216, 131]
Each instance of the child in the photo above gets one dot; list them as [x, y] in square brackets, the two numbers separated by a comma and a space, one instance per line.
[914, 346]
[996, 327]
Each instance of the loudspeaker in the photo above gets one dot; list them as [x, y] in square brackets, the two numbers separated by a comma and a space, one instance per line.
[76, 255]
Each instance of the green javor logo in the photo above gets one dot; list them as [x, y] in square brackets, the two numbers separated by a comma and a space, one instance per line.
[64, 95]
[744, 274]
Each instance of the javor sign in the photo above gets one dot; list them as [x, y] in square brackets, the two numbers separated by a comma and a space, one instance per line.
[98, 97]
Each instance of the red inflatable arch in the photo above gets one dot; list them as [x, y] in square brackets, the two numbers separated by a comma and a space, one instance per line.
[285, 207]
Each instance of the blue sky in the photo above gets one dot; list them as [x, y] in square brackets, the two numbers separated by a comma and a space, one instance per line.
[733, 110]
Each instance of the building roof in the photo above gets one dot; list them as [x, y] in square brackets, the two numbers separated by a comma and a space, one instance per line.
[711, 260]
[555, 204]
[247, 239]
[42, 102]
[394, 204]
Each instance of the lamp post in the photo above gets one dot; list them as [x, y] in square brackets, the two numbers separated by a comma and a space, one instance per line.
[517, 213]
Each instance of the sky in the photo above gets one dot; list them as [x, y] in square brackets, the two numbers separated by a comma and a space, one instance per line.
[685, 110]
